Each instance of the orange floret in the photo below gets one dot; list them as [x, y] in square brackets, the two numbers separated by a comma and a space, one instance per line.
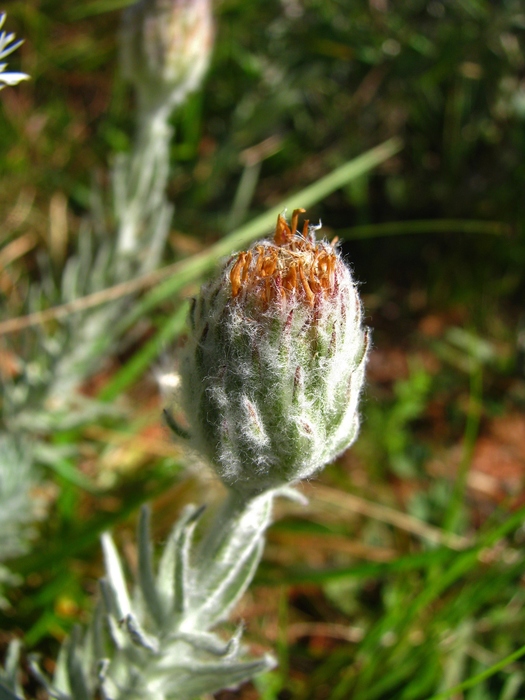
[294, 264]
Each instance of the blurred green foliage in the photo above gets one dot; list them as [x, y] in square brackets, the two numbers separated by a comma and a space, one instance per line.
[304, 86]
[296, 88]
[326, 80]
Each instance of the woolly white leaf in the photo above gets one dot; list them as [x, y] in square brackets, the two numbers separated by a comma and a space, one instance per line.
[197, 679]
[225, 567]
[172, 559]
[115, 577]
[145, 570]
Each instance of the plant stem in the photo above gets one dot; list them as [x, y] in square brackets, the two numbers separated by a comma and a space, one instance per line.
[141, 183]
[225, 519]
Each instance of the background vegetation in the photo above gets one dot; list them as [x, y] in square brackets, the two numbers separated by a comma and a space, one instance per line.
[404, 576]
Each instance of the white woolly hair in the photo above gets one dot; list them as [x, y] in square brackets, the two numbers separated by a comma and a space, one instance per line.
[271, 391]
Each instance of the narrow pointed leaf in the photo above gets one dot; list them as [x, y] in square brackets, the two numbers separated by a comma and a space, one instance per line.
[191, 682]
[146, 575]
[223, 599]
[115, 577]
[183, 578]
[77, 679]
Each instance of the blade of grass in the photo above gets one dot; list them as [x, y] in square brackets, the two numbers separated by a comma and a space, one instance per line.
[411, 562]
[198, 264]
[480, 677]
[244, 195]
[143, 359]
[400, 619]
[68, 471]
[355, 504]
[477, 594]
[64, 549]
[386, 682]
[181, 273]
[453, 513]
[202, 262]
[441, 577]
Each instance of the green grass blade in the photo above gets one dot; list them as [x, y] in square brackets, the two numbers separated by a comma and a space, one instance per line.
[143, 359]
[457, 500]
[480, 677]
[399, 620]
[189, 270]
[410, 562]
[69, 472]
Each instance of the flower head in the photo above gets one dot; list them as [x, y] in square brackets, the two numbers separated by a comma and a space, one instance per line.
[274, 363]
[165, 47]
[7, 46]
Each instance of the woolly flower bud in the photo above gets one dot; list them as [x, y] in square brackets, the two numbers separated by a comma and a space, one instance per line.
[165, 47]
[275, 361]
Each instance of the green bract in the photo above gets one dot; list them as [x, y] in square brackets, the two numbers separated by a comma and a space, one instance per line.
[274, 363]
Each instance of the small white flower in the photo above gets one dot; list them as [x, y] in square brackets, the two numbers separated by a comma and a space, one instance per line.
[6, 47]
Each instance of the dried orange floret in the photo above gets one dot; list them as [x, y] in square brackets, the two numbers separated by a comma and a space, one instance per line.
[293, 264]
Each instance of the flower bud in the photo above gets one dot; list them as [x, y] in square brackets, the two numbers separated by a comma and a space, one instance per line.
[274, 363]
[166, 47]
